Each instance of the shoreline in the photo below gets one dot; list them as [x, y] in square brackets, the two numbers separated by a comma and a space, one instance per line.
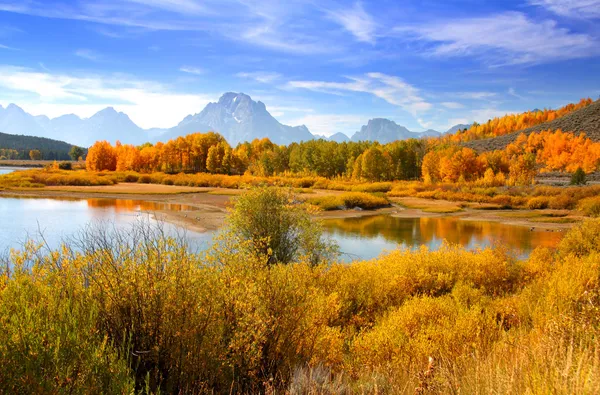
[205, 209]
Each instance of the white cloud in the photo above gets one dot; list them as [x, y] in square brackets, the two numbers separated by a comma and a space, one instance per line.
[389, 88]
[328, 124]
[260, 76]
[281, 111]
[148, 103]
[475, 95]
[508, 38]
[191, 70]
[584, 9]
[264, 23]
[357, 21]
[513, 92]
[88, 54]
[452, 105]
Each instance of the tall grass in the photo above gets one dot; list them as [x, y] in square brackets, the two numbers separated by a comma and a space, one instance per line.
[118, 312]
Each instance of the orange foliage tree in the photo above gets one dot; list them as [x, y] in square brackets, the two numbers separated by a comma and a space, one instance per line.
[101, 156]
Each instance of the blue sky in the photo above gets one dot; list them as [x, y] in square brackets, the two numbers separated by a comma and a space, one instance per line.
[331, 65]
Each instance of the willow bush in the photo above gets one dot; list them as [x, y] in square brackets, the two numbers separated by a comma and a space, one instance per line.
[136, 312]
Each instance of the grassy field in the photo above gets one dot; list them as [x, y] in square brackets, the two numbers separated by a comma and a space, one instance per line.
[30, 163]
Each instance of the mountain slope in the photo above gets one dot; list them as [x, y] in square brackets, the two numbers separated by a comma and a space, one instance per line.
[51, 149]
[238, 118]
[586, 120]
[14, 120]
[339, 138]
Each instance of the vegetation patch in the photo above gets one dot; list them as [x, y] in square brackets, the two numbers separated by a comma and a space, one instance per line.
[349, 200]
[554, 220]
[590, 206]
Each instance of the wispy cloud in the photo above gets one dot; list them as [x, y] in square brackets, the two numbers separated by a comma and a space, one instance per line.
[88, 54]
[582, 9]
[270, 24]
[474, 95]
[452, 105]
[512, 92]
[148, 103]
[357, 21]
[260, 76]
[389, 88]
[191, 70]
[508, 38]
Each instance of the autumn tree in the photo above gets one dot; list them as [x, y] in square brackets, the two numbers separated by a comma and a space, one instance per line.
[76, 152]
[212, 159]
[35, 154]
[101, 156]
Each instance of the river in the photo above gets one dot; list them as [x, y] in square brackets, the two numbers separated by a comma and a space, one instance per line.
[359, 238]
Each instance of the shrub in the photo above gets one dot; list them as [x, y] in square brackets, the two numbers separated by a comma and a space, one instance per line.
[373, 187]
[65, 166]
[538, 203]
[349, 200]
[561, 202]
[277, 227]
[578, 177]
[582, 240]
[590, 206]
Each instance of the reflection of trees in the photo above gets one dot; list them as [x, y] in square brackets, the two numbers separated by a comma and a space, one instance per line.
[137, 205]
[415, 231]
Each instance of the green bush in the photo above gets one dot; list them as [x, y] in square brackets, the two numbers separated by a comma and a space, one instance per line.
[578, 177]
[65, 166]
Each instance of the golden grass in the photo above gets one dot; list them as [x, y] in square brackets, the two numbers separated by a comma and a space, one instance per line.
[349, 200]
[153, 317]
[556, 220]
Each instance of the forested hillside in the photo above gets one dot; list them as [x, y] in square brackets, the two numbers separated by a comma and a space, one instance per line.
[586, 119]
[17, 147]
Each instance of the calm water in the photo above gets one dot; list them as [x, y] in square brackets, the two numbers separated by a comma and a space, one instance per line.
[365, 238]
[56, 219]
[6, 170]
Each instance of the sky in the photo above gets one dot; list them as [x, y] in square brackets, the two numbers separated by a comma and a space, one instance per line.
[330, 65]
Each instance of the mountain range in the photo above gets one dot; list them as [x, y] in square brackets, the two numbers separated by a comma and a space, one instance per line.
[235, 116]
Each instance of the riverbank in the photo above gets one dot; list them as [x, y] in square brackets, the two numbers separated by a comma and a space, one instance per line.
[202, 209]
[27, 163]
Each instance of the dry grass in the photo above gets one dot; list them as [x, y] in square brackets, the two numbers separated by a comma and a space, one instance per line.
[555, 220]
[349, 200]
[134, 189]
[429, 206]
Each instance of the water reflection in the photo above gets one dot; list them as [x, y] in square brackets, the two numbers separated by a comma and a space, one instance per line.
[368, 236]
[359, 238]
[6, 170]
[57, 219]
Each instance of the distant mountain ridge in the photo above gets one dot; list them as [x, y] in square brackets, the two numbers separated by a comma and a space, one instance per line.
[235, 116]
[385, 131]
[107, 124]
